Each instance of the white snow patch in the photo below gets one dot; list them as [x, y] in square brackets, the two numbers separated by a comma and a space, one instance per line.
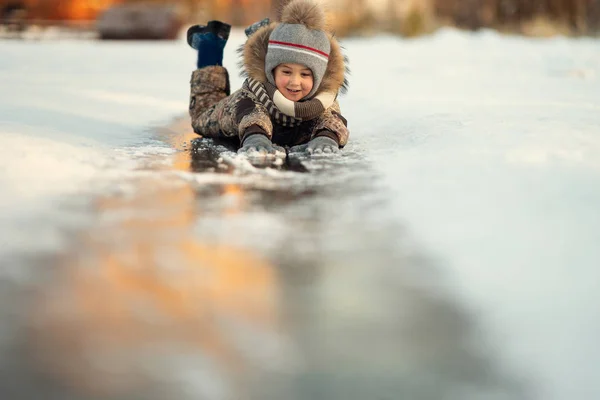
[129, 99]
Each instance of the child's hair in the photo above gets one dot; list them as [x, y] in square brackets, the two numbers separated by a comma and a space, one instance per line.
[300, 38]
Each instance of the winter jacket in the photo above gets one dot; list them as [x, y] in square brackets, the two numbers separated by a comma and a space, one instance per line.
[217, 113]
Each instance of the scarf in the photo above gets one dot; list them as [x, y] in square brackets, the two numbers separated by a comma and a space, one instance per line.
[287, 112]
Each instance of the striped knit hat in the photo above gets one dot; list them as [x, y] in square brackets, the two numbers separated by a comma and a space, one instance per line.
[296, 43]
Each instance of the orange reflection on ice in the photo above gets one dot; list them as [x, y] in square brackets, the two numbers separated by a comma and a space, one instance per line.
[140, 281]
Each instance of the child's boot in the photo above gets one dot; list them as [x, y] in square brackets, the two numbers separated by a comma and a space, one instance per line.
[210, 41]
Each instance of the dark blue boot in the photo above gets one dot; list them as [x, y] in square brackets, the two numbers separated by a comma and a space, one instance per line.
[210, 41]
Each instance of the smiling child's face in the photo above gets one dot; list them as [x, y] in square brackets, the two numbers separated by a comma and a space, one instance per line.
[294, 81]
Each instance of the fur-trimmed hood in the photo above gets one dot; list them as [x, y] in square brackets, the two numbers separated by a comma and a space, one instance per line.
[254, 51]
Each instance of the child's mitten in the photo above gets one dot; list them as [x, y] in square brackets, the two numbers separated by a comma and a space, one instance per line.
[259, 143]
[318, 145]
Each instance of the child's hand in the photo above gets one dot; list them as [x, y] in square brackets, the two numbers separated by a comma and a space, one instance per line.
[259, 145]
[321, 145]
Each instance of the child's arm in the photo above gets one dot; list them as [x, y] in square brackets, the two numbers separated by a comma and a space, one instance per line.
[252, 117]
[255, 127]
[332, 125]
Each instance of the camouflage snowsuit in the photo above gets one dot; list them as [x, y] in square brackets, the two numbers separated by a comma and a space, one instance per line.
[217, 113]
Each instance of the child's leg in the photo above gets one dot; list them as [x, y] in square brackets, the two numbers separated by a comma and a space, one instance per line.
[208, 87]
[210, 82]
[210, 41]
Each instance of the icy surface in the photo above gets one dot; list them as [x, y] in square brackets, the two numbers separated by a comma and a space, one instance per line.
[451, 252]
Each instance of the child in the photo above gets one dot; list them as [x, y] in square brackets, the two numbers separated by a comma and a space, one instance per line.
[294, 72]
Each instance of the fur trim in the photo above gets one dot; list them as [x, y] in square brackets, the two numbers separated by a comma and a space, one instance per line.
[305, 12]
[254, 51]
[335, 79]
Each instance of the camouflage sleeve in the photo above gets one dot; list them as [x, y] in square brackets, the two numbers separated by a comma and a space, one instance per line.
[332, 121]
[252, 113]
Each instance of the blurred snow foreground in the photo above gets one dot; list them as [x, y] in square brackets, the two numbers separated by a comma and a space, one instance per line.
[450, 252]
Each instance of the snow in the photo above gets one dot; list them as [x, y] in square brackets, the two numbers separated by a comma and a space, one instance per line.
[475, 151]
[495, 168]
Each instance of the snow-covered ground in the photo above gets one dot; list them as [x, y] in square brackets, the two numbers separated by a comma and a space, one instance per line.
[451, 253]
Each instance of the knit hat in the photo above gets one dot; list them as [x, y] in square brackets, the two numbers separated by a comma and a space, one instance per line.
[299, 39]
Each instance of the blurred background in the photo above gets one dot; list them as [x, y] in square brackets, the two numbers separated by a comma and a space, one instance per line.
[163, 19]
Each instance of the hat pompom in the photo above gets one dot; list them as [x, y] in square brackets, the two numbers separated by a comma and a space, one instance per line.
[305, 12]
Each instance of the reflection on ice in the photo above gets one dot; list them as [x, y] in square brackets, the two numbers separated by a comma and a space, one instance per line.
[141, 305]
[294, 289]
